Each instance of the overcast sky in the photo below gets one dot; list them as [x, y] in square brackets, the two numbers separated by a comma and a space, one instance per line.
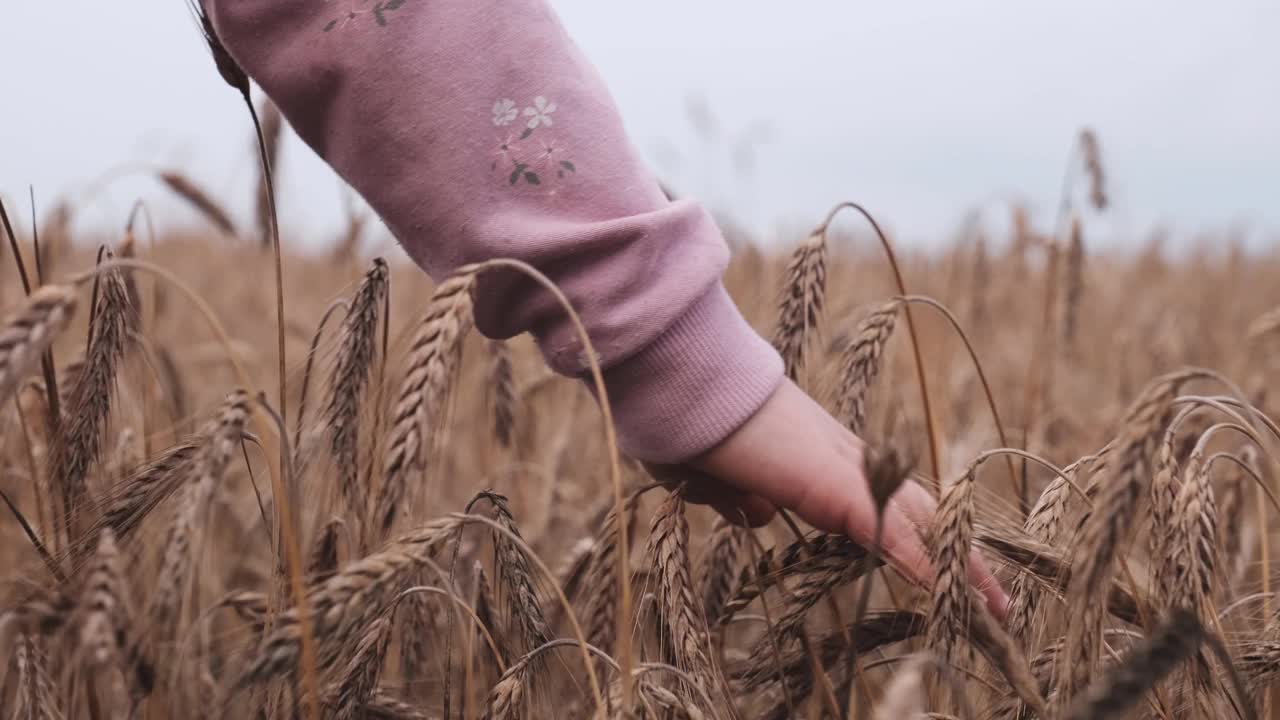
[770, 110]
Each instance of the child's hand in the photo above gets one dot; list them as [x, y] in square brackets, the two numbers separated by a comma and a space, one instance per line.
[792, 454]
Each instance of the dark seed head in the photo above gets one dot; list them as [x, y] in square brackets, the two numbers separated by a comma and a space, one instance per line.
[885, 470]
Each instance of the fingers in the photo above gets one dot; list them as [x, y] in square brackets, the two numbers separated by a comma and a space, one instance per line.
[793, 454]
[918, 506]
[737, 507]
[750, 511]
[905, 550]
[901, 544]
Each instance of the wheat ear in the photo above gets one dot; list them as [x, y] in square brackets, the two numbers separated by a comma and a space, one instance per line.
[322, 559]
[424, 392]
[1139, 671]
[950, 545]
[1092, 156]
[503, 392]
[202, 201]
[721, 565]
[683, 624]
[89, 402]
[342, 606]
[212, 462]
[103, 605]
[860, 365]
[359, 679]
[801, 306]
[355, 361]
[1105, 531]
[28, 333]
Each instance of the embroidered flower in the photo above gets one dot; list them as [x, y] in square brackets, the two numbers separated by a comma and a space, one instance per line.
[547, 155]
[504, 111]
[537, 164]
[539, 113]
[505, 151]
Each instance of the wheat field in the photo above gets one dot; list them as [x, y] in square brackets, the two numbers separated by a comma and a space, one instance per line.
[460, 539]
[242, 481]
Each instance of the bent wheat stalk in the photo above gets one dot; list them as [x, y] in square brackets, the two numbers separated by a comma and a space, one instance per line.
[930, 424]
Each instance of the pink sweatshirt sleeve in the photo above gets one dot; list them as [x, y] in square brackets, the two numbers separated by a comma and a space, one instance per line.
[477, 129]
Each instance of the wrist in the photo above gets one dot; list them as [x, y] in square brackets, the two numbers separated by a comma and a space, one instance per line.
[696, 383]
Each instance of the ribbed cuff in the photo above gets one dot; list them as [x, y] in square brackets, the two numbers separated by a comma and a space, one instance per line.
[694, 385]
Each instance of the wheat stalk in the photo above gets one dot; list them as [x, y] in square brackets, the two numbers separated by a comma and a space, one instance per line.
[103, 605]
[1195, 522]
[513, 569]
[1007, 657]
[89, 401]
[342, 606]
[272, 134]
[359, 679]
[416, 629]
[502, 387]
[951, 543]
[209, 466]
[28, 333]
[423, 396]
[1074, 284]
[203, 202]
[602, 605]
[1237, 541]
[979, 283]
[1043, 524]
[683, 624]
[355, 361]
[795, 667]
[860, 365]
[1104, 532]
[507, 697]
[833, 569]
[800, 309]
[322, 560]
[250, 605]
[721, 565]
[573, 567]
[37, 697]
[1144, 666]
[1092, 155]
[487, 614]
[1164, 499]
[1193, 552]
[384, 707]
[144, 489]
[828, 557]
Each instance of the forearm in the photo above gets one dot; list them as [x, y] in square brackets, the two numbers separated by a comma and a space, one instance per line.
[476, 129]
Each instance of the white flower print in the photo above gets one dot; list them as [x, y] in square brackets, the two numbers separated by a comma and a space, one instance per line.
[539, 113]
[542, 162]
[504, 111]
